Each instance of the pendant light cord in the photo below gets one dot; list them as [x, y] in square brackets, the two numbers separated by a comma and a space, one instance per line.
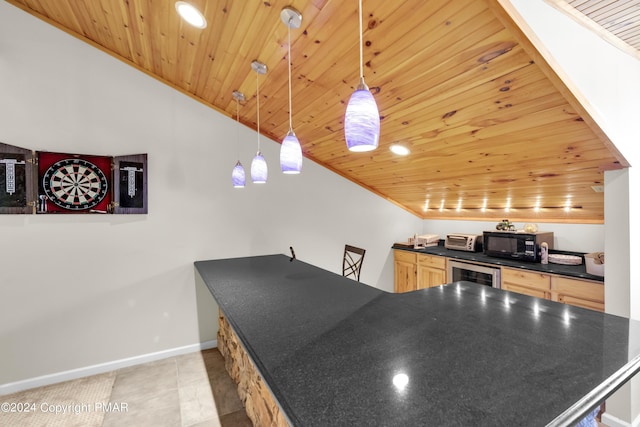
[238, 125]
[360, 14]
[258, 105]
[289, 64]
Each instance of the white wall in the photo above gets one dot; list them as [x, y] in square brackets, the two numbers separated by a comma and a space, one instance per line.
[610, 80]
[82, 290]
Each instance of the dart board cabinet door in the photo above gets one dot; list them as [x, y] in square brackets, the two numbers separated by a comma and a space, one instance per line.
[130, 184]
[73, 183]
[18, 176]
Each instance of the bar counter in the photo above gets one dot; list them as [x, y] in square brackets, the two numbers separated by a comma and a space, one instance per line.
[333, 351]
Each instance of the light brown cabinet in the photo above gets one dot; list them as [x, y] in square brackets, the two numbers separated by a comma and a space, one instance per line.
[582, 293]
[431, 271]
[405, 271]
[578, 292]
[414, 271]
[526, 282]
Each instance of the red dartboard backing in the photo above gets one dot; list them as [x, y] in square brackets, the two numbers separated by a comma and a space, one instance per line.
[73, 183]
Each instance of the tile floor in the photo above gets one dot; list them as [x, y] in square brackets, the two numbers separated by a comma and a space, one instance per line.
[191, 390]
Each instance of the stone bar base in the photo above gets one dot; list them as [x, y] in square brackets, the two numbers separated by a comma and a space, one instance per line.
[256, 397]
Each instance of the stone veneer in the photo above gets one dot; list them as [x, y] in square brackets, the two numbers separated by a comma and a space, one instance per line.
[256, 397]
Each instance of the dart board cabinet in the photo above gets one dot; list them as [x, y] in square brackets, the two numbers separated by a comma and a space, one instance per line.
[130, 184]
[62, 183]
[17, 178]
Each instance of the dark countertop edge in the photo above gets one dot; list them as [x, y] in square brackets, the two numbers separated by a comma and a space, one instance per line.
[598, 395]
[577, 271]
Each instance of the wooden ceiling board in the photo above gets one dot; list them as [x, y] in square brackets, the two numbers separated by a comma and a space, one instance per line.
[465, 85]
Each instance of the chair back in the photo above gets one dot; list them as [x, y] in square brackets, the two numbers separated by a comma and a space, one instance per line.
[352, 261]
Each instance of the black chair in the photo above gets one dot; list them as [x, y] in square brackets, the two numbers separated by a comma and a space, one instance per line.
[352, 261]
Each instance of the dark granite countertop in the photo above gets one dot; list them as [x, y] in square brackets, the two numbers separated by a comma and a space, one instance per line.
[330, 348]
[576, 271]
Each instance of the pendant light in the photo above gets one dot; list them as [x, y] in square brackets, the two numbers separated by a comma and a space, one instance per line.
[362, 119]
[290, 151]
[259, 170]
[237, 175]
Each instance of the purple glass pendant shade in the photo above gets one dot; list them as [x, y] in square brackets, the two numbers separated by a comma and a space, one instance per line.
[238, 176]
[259, 170]
[362, 120]
[290, 154]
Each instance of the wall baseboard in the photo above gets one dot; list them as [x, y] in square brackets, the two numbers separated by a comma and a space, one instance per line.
[73, 374]
[612, 421]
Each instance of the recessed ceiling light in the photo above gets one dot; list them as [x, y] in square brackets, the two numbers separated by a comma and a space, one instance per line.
[190, 14]
[400, 150]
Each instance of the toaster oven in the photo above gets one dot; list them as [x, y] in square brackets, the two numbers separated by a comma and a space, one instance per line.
[464, 242]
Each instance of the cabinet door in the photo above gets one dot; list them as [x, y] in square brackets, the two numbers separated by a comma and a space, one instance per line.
[576, 292]
[431, 271]
[526, 282]
[130, 184]
[404, 268]
[429, 277]
[405, 276]
[18, 180]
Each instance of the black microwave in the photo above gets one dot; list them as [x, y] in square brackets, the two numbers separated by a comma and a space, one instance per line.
[516, 245]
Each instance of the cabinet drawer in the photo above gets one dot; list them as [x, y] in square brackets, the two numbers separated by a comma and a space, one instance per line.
[404, 256]
[432, 261]
[526, 278]
[579, 302]
[526, 290]
[578, 289]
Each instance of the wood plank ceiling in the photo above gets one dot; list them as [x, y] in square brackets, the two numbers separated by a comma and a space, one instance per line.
[489, 124]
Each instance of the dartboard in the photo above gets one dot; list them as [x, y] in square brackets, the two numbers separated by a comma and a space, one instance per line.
[75, 184]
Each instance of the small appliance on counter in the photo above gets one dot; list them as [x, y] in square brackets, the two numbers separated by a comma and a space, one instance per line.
[516, 244]
[424, 240]
[464, 242]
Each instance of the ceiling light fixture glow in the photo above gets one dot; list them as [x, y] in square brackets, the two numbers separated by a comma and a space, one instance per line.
[189, 13]
[536, 208]
[399, 149]
[362, 119]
